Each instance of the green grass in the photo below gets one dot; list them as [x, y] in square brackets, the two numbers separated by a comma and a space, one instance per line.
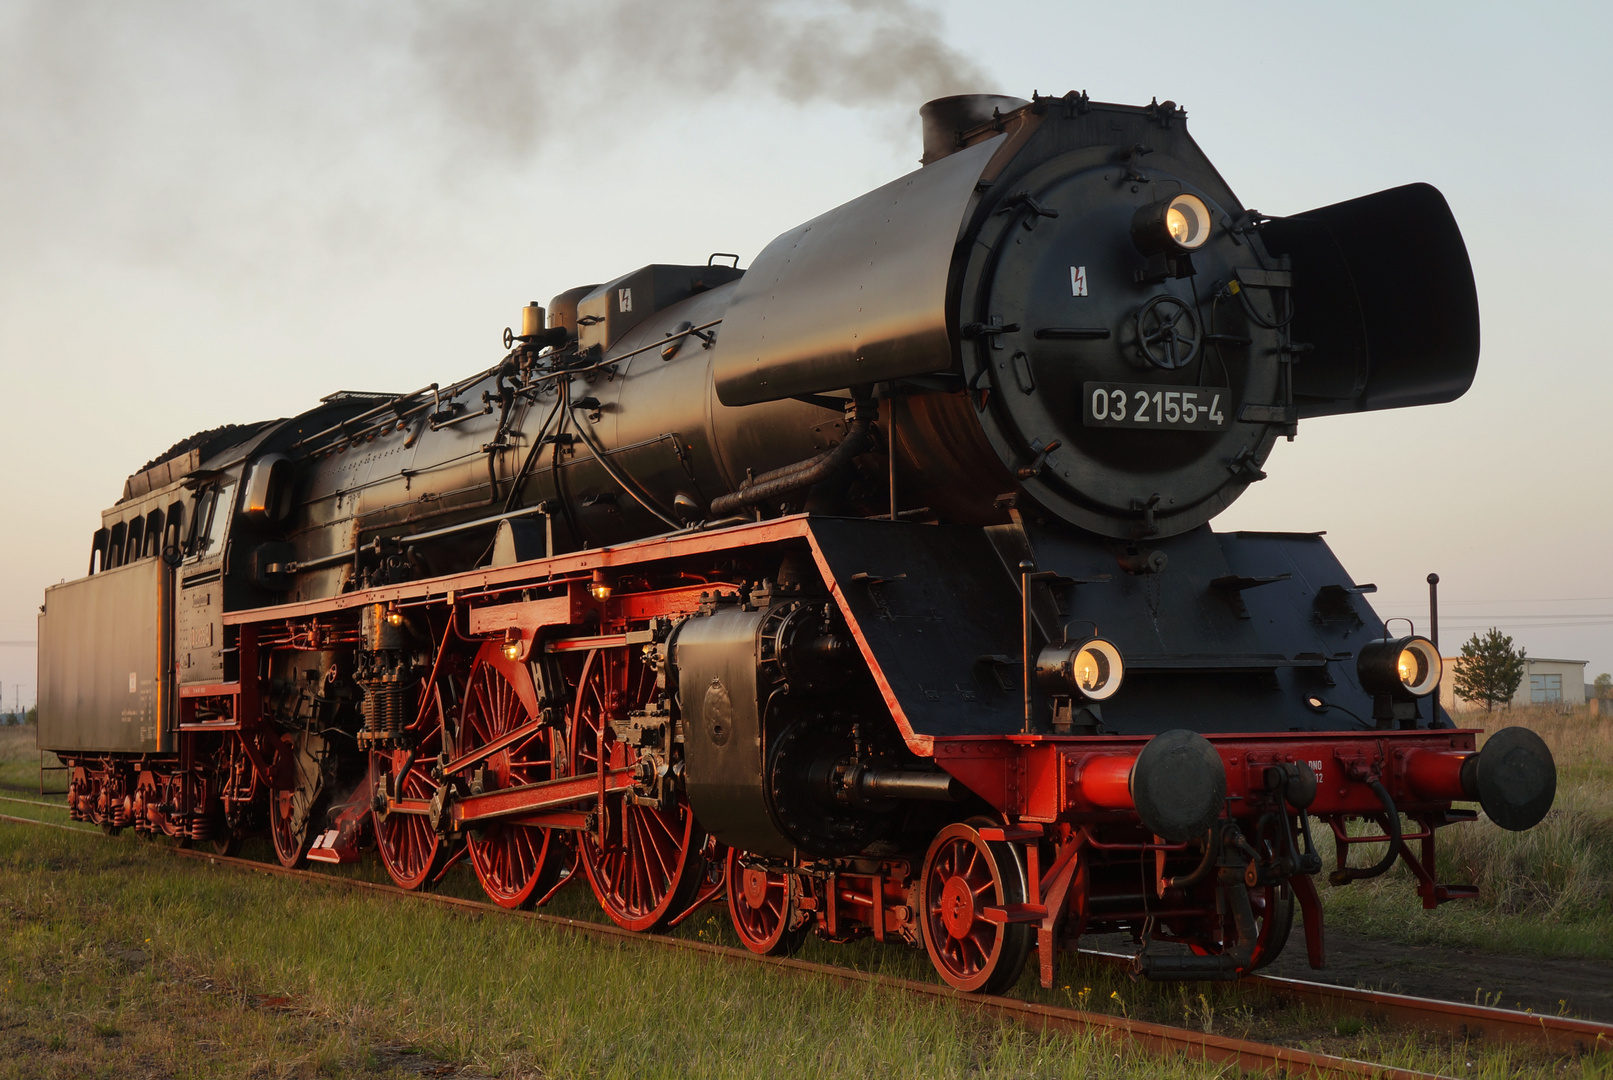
[115, 954]
[117, 957]
[19, 766]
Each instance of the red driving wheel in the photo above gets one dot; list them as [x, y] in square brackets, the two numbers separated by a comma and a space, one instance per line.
[516, 864]
[410, 848]
[644, 863]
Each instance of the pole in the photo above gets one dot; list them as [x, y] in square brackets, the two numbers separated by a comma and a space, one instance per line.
[1433, 635]
[1433, 609]
[1026, 569]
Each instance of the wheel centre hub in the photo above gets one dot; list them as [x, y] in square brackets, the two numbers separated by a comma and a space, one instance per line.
[957, 907]
[755, 885]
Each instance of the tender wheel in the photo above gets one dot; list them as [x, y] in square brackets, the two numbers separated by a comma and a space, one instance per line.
[964, 875]
[644, 863]
[227, 843]
[761, 904]
[410, 848]
[516, 864]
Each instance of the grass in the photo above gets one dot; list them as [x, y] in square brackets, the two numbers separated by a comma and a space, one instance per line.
[1547, 891]
[19, 765]
[121, 961]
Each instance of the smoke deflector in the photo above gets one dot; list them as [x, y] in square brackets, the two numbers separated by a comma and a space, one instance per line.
[1383, 291]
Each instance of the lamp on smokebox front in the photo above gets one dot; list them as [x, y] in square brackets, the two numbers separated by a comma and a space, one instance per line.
[512, 643]
[1171, 226]
[600, 587]
[1091, 669]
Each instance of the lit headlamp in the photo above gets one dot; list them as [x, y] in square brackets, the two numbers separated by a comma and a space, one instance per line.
[1405, 668]
[1091, 669]
[1172, 226]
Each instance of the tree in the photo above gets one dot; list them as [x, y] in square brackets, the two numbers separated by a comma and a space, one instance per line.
[1490, 669]
[1604, 685]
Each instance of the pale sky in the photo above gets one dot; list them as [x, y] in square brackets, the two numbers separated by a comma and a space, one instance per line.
[215, 212]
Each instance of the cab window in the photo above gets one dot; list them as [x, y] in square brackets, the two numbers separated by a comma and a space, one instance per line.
[211, 539]
[173, 531]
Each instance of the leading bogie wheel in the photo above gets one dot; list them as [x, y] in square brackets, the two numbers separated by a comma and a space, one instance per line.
[762, 905]
[226, 843]
[644, 863]
[964, 875]
[516, 864]
[1273, 907]
[1274, 915]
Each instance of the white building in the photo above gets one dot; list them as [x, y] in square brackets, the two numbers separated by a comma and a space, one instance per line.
[1545, 682]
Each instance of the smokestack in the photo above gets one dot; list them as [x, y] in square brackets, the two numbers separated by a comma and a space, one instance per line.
[945, 117]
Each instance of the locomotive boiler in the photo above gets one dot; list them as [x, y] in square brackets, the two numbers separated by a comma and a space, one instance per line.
[870, 587]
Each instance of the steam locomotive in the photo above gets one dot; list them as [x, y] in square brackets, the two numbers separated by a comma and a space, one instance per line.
[869, 587]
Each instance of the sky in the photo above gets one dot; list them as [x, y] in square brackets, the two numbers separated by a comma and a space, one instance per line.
[218, 212]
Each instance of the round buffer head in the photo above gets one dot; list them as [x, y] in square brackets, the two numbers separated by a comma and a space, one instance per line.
[1178, 785]
[1513, 777]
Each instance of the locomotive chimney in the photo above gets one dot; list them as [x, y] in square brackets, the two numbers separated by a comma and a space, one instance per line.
[945, 118]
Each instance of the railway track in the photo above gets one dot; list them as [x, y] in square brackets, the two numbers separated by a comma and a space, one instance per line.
[1560, 1035]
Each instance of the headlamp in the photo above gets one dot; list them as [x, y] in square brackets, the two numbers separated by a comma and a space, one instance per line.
[1405, 668]
[1172, 226]
[1091, 669]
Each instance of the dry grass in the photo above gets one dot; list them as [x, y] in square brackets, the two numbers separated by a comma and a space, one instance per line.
[1548, 890]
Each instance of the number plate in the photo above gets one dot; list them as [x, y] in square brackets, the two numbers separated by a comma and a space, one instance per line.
[1136, 405]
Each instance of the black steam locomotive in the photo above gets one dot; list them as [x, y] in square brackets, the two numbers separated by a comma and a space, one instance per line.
[870, 586]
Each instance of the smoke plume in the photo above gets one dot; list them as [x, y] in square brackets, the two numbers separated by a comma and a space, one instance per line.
[229, 135]
[516, 70]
